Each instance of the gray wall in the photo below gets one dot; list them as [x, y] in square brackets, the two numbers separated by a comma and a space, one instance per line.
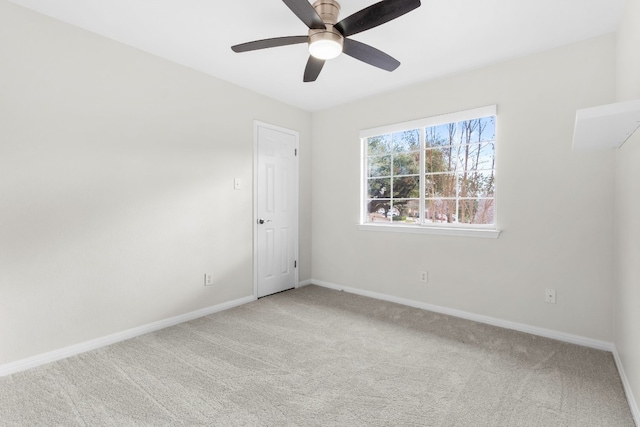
[554, 206]
[627, 304]
[116, 186]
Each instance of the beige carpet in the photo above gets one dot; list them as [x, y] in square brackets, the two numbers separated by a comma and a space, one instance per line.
[317, 357]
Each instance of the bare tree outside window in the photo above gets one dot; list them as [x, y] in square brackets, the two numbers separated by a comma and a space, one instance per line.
[460, 172]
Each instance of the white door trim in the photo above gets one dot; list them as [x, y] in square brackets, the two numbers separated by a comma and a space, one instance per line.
[296, 176]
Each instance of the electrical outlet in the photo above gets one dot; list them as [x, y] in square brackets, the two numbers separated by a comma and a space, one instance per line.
[424, 277]
[208, 279]
[550, 296]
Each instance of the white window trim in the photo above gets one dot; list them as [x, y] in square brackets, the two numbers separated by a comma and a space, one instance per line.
[458, 116]
[461, 230]
[489, 233]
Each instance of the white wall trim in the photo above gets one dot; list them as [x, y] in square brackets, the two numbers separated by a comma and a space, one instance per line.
[633, 404]
[456, 116]
[534, 330]
[305, 283]
[62, 353]
[440, 231]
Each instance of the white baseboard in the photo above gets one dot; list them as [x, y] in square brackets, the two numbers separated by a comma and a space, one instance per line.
[633, 404]
[305, 283]
[534, 330]
[52, 356]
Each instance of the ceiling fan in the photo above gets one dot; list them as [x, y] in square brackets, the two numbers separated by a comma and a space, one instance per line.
[327, 37]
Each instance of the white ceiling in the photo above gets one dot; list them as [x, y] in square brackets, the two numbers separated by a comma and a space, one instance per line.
[438, 38]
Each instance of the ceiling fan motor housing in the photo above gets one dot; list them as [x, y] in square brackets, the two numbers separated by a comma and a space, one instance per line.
[328, 11]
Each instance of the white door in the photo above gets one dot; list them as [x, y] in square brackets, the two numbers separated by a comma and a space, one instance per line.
[276, 213]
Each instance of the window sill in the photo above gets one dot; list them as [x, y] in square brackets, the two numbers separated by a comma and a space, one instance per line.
[439, 231]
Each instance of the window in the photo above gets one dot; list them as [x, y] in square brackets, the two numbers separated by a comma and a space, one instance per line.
[437, 172]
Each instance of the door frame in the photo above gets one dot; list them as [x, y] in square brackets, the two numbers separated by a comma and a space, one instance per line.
[296, 176]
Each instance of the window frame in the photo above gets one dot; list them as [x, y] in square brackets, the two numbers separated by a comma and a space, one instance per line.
[449, 229]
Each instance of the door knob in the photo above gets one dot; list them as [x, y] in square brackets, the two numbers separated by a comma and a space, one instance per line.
[262, 221]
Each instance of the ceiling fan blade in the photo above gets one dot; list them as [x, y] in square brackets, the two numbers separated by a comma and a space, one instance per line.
[374, 15]
[267, 43]
[306, 13]
[370, 55]
[313, 68]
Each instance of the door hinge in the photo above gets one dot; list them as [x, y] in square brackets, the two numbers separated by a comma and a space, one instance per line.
[295, 152]
[295, 264]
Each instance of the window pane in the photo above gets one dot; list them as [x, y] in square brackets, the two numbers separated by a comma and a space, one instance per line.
[406, 141]
[467, 130]
[405, 211]
[476, 184]
[439, 160]
[484, 212]
[486, 129]
[441, 135]
[475, 211]
[379, 166]
[466, 155]
[478, 156]
[379, 188]
[477, 130]
[486, 157]
[440, 185]
[406, 187]
[406, 163]
[378, 210]
[440, 211]
[379, 144]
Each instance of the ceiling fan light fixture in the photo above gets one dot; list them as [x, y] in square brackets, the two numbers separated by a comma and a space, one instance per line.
[325, 49]
[325, 44]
